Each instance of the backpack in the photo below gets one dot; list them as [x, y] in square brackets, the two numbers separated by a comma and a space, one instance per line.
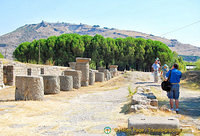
[166, 85]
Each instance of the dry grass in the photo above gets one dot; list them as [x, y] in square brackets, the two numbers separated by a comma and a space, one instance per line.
[190, 85]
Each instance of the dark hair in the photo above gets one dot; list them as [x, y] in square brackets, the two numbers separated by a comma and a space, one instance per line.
[176, 66]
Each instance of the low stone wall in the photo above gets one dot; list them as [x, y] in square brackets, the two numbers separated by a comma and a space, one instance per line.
[10, 71]
[144, 99]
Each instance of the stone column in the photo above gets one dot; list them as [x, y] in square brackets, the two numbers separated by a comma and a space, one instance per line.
[99, 76]
[76, 75]
[113, 70]
[29, 88]
[9, 76]
[82, 64]
[51, 84]
[1, 75]
[72, 65]
[107, 74]
[91, 77]
[66, 83]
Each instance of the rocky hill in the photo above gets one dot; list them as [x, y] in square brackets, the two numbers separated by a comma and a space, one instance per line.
[29, 32]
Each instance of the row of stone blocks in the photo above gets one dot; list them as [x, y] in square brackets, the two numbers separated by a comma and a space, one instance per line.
[34, 87]
[144, 99]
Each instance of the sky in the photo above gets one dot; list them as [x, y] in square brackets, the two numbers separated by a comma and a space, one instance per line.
[155, 17]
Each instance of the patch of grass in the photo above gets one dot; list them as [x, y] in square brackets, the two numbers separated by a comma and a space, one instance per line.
[190, 85]
[131, 92]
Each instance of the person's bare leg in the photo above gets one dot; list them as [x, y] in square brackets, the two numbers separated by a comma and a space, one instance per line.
[171, 103]
[176, 103]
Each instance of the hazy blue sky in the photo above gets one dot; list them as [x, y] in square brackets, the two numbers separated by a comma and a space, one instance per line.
[149, 16]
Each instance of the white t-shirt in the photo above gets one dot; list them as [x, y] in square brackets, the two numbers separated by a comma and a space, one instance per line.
[155, 67]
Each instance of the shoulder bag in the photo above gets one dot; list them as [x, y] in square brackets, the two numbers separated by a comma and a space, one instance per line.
[166, 85]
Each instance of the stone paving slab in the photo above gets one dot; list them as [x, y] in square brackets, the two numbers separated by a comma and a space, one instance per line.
[146, 122]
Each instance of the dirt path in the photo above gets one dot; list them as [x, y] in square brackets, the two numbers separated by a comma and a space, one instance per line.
[84, 112]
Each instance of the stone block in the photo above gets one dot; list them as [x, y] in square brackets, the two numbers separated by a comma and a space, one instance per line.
[91, 77]
[101, 69]
[99, 76]
[113, 70]
[107, 75]
[83, 60]
[144, 102]
[72, 65]
[76, 75]
[147, 89]
[153, 108]
[154, 102]
[152, 122]
[29, 88]
[140, 90]
[66, 83]
[133, 108]
[51, 84]
[151, 96]
[113, 66]
[141, 107]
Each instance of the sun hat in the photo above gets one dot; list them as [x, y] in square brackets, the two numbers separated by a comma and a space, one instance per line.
[165, 65]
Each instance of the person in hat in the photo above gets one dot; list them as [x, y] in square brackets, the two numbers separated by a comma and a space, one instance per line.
[155, 70]
[164, 71]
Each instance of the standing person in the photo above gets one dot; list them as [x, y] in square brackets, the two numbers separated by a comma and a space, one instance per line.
[158, 60]
[174, 92]
[155, 70]
[164, 71]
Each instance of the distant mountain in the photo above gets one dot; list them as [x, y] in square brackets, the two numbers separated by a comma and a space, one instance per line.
[29, 32]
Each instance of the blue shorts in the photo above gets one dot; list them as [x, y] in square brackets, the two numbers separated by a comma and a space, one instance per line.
[174, 92]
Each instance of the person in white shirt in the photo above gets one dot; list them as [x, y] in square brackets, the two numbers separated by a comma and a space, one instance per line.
[155, 70]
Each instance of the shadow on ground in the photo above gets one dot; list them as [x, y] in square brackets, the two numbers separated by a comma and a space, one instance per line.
[190, 107]
[126, 108]
[154, 85]
[144, 82]
[10, 100]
